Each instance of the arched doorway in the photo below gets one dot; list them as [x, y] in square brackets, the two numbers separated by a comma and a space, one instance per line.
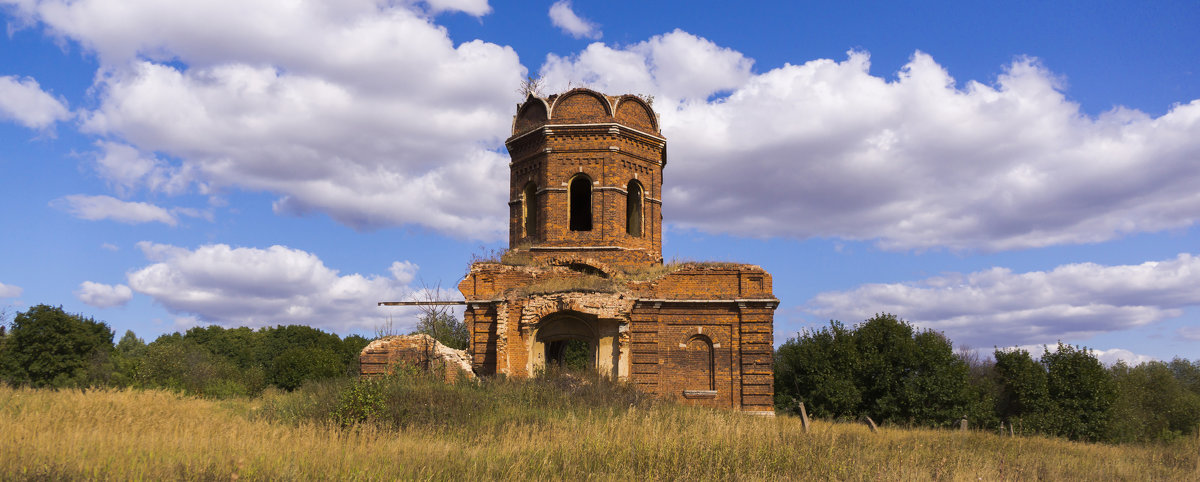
[566, 340]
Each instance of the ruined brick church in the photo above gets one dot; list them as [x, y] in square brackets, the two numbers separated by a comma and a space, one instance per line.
[583, 281]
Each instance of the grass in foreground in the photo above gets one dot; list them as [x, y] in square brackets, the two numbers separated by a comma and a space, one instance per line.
[527, 432]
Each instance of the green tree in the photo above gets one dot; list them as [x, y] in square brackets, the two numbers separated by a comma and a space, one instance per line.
[1152, 404]
[1188, 373]
[1083, 393]
[47, 347]
[1024, 397]
[443, 327]
[240, 345]
[297, 365]
[125, 359]
[882, 368]
[177, 364]
[817, 368]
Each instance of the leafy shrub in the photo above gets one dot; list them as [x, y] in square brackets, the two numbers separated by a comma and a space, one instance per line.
[882, 368]
[294, 366]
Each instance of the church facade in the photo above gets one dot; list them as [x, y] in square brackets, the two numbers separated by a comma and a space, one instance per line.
[583, 282]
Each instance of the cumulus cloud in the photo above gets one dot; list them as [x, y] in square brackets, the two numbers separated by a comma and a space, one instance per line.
[95, 208]
[677, 68]
[128, 170]
[826, 149]
[236, 286]
[563, 17]
[101, 295]
[10, 291]
[364, 110]
[1114, 355]
[997, 307]
[23, 101]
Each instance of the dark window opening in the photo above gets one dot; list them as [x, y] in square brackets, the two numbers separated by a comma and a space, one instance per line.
[581, 204]
[633, 209]
[574, 354]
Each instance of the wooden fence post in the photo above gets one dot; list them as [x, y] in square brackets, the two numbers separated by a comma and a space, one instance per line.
[803, 417]
[871, 423]
[962, 424]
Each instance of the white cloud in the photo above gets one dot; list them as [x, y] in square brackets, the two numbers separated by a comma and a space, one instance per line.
[128, 170]
[997, 307]
[24, 102]
[103, 296]
[1112, 356]
[10, 291]
[95, 208]
[472, 7]
[364, 110]
[256, 287]
[826, 149]
[563, 17]
[110, 247]
[1190, 333]
[676, 67]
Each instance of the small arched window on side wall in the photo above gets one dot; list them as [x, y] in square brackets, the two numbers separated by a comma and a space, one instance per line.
[699, 359]
[633, 208]
[580, 203]
[529, 211]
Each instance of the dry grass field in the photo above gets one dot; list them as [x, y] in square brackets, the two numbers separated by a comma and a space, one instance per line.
[157, 435]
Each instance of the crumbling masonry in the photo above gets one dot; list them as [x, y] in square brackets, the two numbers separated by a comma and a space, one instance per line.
[584, 279]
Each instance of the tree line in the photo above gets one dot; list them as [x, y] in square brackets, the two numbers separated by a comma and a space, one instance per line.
[883, 368]
[886, 369]
[48, 347]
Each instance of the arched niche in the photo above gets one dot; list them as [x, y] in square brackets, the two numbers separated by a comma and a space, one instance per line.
[534, 112]
[529, 213]
[581, 105]
[635, 197]
[634, 112]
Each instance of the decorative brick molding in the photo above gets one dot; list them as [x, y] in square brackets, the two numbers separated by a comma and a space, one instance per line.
[701, 333]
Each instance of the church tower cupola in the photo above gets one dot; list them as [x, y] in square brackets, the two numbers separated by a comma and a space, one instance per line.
[586, 179]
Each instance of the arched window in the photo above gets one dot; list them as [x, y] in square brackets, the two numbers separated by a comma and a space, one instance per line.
[581, 203]
[700, 362]
[633, 209]
[529, 210]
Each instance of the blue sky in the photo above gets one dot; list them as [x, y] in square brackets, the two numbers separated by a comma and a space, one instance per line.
[1012, 174]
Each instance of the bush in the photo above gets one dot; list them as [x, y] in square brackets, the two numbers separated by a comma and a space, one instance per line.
[882, 368]
[295, 366]
[184, 366]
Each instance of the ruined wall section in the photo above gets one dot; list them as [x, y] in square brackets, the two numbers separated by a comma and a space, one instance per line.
[420, 352]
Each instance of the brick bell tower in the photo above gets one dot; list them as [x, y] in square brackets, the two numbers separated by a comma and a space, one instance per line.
[586, 179]
[583, 280]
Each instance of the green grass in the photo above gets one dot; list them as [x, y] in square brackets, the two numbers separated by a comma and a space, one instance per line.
[556, 427]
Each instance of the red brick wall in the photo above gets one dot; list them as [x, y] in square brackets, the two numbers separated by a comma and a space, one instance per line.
[709, 324]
